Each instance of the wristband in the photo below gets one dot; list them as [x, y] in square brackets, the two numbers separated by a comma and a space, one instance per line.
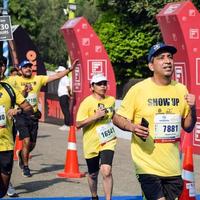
[70, 69]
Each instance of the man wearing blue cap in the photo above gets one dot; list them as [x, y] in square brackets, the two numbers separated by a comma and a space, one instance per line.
[155, 110]
[29, 85]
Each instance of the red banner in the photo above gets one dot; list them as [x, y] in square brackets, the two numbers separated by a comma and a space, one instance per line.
[83, 43]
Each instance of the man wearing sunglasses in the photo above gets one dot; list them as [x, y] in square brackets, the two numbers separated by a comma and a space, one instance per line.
[29, 85]
[99, 138]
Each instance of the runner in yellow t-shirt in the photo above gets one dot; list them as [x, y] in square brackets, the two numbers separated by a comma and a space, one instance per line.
[99, 138]
[165, 107]
[6, 136]
[29, 85]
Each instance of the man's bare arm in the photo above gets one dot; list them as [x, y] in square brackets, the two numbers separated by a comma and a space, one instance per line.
[126, 125]
[59, 75]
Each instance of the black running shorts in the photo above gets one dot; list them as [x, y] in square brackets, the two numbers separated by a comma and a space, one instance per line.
[27, 127]
[155, 187]
[105, 156]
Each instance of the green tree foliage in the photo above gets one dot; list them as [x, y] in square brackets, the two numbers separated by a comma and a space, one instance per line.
[127, 29]
[125, 45]
[42, 19]
[88, 9]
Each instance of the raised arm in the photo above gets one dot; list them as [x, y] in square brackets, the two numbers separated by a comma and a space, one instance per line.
[59, 75]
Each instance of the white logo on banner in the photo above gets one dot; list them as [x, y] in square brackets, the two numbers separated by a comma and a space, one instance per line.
[95, 67]
[174, 36]
[84, 26]
[180, 72]
[77, 85]
[86, 41]
[171, 9]
[192, 13]
[98, 49]
[194, 33]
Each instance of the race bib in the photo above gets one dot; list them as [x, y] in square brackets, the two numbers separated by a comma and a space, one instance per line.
[2, 117]
[32, 99]
[167, 128]
[106, 132]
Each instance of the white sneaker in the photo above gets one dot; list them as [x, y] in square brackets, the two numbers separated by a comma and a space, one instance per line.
[64, 128]
[11, 191]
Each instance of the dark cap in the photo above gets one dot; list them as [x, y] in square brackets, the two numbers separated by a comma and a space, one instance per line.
[155, 49]
[25, 63]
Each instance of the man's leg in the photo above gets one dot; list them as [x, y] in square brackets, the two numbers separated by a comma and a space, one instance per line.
[64, 104]
[22, 125]
[28, 145]
[4, 182]
[6, 163]
[25, 150]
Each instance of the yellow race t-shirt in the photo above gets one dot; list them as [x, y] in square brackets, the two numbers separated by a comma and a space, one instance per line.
[163, 107]
[36, 82]
[6, 135]
[91, 139]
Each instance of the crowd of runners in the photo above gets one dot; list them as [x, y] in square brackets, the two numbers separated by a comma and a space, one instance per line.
[154, 110]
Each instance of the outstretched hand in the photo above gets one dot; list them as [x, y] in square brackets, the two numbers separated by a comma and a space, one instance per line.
[76, 61]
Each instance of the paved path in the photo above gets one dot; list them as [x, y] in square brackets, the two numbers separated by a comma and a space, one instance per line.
[48, 159]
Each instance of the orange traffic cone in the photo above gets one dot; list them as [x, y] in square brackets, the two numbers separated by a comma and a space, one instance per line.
[18, 146]
[188, 192]
[71, 169]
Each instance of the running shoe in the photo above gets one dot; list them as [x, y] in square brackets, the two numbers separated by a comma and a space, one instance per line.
[11, 191]
[26, 172]
[64, 128]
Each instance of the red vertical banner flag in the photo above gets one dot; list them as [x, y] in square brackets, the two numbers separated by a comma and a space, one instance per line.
[180, 27]
[83, 43]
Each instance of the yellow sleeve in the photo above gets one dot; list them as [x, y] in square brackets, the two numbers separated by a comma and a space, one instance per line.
[19, 97]
[82, 113]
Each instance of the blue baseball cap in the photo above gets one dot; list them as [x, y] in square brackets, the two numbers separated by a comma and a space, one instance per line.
[24, 63]
[155, 49]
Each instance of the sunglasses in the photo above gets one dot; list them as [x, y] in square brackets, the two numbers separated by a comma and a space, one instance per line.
[101, 83]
